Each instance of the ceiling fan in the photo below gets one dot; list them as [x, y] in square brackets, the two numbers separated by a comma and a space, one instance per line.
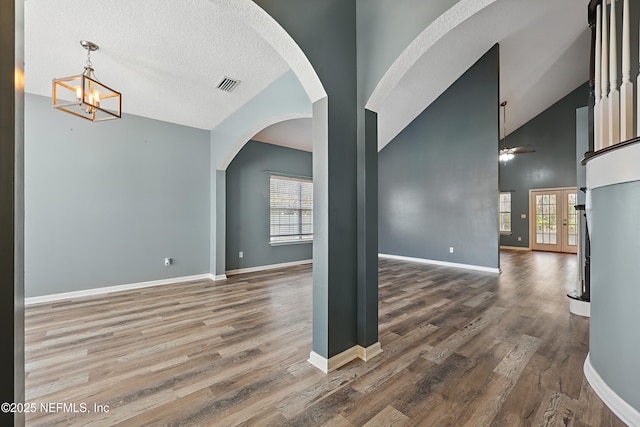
[507, 153]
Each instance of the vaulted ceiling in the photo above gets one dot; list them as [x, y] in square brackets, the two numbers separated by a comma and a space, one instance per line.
[167, 58]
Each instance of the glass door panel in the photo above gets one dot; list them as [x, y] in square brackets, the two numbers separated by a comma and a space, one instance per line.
[570, 222]
[554, 220]
[545, 217]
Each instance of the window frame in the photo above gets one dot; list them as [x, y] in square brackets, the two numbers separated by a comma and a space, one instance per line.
[501, 212]
[300, 237]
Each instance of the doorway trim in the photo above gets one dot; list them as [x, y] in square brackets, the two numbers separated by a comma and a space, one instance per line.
[532, 214]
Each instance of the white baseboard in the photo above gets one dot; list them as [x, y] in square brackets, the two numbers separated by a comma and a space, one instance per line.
[319, 362]
[618, 406]
[218, 277]
[109, 289]
[268, 267]
[580, 308]
[341, 359]
[443, 263]
[516, 248]
[370, 352]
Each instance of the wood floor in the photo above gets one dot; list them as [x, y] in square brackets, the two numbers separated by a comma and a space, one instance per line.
[460, 348]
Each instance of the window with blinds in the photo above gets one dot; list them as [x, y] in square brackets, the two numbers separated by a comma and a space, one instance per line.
[505, 213]
[291, 209]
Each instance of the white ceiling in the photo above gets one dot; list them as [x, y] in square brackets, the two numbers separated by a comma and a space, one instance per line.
[167, 58]
[164, 56]
[544, 54]
[294, 133]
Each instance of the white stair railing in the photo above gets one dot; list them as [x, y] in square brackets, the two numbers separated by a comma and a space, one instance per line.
[626, 88]
[613, 109]
[597, 108]
[604, 82]
[614, 95]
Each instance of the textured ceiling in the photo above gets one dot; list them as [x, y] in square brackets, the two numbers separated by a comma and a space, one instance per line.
[165, 57]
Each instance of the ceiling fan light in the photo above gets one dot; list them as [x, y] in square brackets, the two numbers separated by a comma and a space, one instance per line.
[505, 154]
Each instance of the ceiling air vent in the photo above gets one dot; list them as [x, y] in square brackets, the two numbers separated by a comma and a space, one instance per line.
[228, 84]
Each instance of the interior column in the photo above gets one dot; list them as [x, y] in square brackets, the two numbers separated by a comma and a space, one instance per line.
[12, 205]
[344, 291]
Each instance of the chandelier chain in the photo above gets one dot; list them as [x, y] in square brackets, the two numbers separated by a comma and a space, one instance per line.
[89, 64]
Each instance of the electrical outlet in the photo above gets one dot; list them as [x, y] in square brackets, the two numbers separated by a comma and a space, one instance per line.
[451, 250]
[168, 261]
[240, 254]
[519, 238]
[523, 216]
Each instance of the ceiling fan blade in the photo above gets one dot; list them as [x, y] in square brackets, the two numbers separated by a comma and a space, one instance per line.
[523, 149]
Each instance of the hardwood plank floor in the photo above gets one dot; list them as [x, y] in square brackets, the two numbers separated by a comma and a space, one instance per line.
[460, 348]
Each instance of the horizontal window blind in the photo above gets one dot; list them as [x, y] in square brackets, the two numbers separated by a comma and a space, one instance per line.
[505, 212]
[291, 209]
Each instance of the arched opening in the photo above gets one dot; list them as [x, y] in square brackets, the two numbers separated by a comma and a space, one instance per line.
[130, 138]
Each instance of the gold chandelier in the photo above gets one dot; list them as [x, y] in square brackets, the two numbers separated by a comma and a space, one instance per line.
[84, 96]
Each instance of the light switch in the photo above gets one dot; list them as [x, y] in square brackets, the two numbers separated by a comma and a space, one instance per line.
[523, 216]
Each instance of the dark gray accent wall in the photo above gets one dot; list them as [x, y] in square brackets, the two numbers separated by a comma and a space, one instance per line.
[614, 343]
[247, 212]
[326, 33]
[107, 202]
[552, 134]
[11, 206]
[368, 231]
[438, 179]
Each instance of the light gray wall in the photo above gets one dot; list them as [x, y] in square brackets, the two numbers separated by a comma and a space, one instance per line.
[552, 134]
[438, 179]
[107, 202]
[614, 340]
[248, 205]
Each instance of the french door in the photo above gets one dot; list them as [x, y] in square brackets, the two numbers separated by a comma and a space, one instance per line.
[554, 220]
